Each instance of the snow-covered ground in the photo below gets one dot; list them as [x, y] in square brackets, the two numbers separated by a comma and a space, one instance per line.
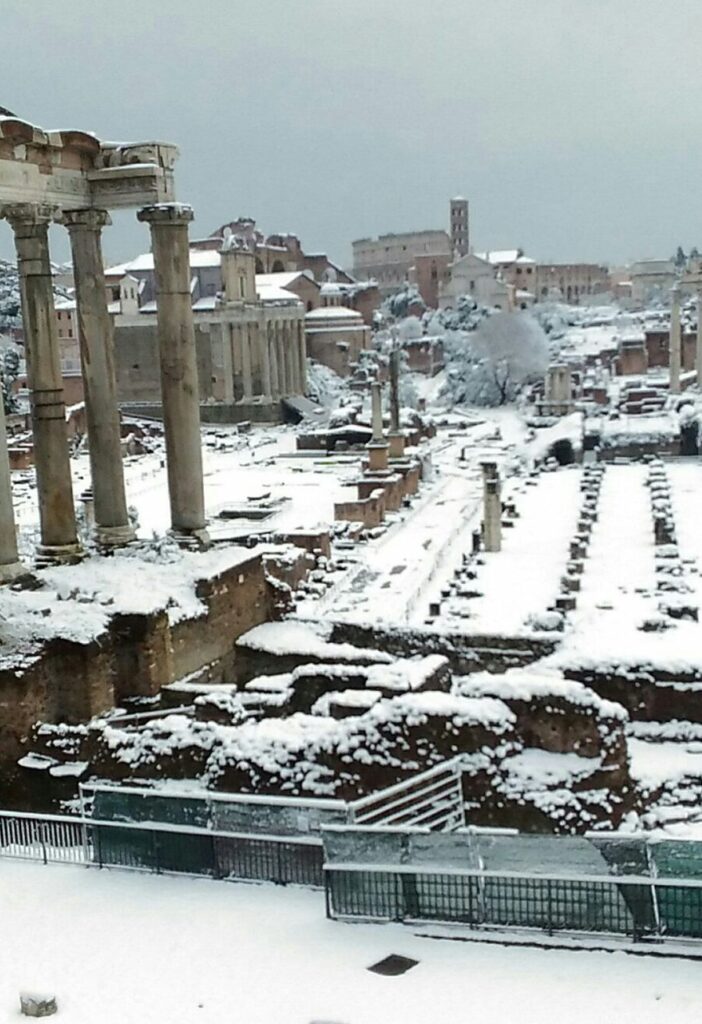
[121, 948]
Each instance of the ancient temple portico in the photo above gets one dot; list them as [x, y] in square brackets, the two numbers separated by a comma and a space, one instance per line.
[72, 178]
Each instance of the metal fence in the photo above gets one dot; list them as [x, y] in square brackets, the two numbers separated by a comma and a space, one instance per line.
[161, 848]
[636, 907]
[432, 799]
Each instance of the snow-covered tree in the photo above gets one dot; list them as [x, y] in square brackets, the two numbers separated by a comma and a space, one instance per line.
[410, 328]
[9, 371]
[398, 304]
[492, 364]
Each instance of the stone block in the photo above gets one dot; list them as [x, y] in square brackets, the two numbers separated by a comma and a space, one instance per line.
[34, 1005]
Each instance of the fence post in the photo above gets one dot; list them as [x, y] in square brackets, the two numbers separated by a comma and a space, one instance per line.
[549, 914]
[156, 851]
[42, 840]
[97, 843]
[84, 837]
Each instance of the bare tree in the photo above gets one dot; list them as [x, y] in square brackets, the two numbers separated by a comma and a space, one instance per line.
[491, 365]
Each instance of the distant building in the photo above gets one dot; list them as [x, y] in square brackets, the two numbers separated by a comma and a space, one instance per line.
[651, 281]
[575, 283]
[388, 259]
[475, 276]
[416, 257]
[336, 336]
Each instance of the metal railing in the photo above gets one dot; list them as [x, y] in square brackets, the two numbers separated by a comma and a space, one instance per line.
[637, 907]
[433, 799]
[159, 847]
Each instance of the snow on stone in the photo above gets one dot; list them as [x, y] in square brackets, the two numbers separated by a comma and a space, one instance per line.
[658, 764]
[542, 768]
[306, 640]
[528, 684]
[525, 576]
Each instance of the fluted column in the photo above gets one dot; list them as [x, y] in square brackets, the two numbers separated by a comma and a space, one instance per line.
[246, 375]
[10, 565]
[179, 384]
[59, 538]
[302, 356]
[674, 343]
[273, 353]
[290, 360]
[283, 381]
[265, 360]
[97, 357]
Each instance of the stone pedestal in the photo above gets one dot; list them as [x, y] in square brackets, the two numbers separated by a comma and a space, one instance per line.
[377, 456]
[179, 383]
[59, 539]
[397, 445]
[112, 526]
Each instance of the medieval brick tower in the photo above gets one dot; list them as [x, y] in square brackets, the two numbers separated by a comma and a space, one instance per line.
[459, 227]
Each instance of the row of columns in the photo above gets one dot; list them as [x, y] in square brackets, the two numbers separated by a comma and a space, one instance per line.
[179, 385]
[281, 357]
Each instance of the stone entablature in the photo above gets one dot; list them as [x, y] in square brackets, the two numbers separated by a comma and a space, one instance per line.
[74, 170]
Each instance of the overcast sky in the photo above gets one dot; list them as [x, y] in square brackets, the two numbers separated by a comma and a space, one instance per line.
[573, 126]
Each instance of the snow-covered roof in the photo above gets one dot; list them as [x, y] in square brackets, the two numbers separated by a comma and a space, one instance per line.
[333, 312]
[145, 261]
[282, 280]
[274, 293]
[498, 256]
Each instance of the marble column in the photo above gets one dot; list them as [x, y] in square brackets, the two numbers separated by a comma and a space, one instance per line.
[180, 394]
[59, 538]
[394, 390]
[290, 358]
[283, 382]
[377, 412]
[273, 359]
[266, 391]
[674, 343]
[96, 337]
[10, 565]
[378, 447]
[246, 375]
[302, 354]
[492, 507]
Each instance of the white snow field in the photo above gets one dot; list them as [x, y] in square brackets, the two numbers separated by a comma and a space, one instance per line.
[122, 948]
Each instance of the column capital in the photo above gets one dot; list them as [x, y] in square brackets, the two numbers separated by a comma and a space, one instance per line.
[166, 213]
[86, 220]
[28, 214]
